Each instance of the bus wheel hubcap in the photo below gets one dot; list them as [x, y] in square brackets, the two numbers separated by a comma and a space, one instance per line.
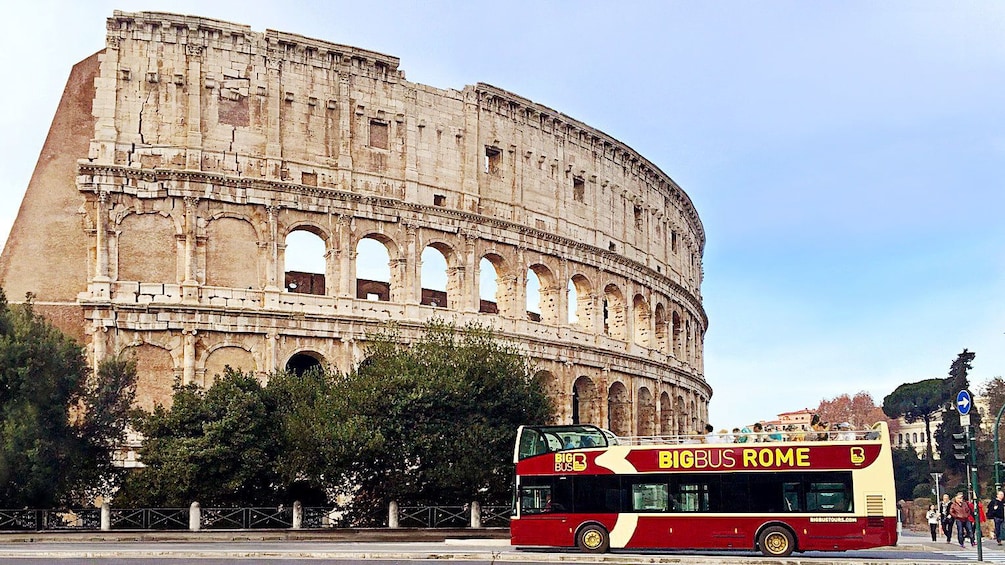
[776, 543]
[592, 539]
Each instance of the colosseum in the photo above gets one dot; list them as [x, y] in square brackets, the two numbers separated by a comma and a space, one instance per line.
[192, 159]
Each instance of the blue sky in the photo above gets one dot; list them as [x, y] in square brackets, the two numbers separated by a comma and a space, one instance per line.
[846, 158]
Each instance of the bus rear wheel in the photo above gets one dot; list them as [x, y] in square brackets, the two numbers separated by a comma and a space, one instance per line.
[776, 541]
[593, 538]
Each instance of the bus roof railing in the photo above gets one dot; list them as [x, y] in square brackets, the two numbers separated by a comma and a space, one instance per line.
[846, 434]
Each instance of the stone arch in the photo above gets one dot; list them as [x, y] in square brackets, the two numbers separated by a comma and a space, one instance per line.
[640, 308]
[303, 361]
[304, 259]
[549, 383]
[232, 254]
[661, 328]
[681, 413]
[619, 410]
[222, 356]
[666, 414]
[547, 305]
[373, 282]
[147, 248]
[505, 285]
[439, 287]
[615, 324]
[584, 401]
[581, 308]
[675, 334]
[646, 412]
[155, 376]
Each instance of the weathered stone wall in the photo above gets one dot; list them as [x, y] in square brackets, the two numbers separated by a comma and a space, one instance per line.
[211, 143]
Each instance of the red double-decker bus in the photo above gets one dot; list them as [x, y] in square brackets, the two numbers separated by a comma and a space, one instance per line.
[581, 486]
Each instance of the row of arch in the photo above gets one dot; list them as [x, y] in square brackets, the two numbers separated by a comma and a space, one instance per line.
[651, 412]
[430, 268]
[659, 413]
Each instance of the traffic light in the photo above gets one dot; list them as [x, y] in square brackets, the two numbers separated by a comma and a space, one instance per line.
[960, 446]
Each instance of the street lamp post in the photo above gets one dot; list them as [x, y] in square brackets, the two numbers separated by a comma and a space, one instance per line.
[998, 463]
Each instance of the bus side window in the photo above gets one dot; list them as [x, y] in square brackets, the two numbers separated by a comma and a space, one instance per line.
[791, 493]
[693, 497]
[535, 499]
[650, 497]
[828, 497]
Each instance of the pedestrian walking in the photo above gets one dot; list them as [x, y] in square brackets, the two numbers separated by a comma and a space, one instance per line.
[960, 511]
[947, 520]
[933, 521]
[996, 511]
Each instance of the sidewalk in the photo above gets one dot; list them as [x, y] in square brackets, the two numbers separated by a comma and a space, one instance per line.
[923, 542]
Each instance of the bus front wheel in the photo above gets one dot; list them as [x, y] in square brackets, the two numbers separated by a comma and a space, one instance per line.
[776, 541]
[593, 538]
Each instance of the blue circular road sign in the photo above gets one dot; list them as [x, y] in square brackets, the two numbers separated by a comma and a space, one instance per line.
[964, 402]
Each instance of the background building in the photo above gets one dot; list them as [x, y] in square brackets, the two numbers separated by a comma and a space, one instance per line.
[185, 157]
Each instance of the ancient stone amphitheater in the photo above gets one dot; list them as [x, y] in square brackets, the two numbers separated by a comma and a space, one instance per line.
[191, 158]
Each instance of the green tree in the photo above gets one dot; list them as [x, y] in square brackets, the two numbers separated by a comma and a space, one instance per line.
[909, 471]
[917, 401]
[57, 425]
[957, 381]
[218, 447]
[431, 421]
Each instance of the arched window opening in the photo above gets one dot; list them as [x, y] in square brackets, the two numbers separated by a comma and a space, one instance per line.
[580, 304]
[675, 335]
[614, 313]
[584, 396]
[642, 318]
[533, 306]
[618, 410]
[434, 278]
[661, 328]
[666, 414]
[488, 284]
[646, 413]
[304, 258]
[303, 362]
[373, 271]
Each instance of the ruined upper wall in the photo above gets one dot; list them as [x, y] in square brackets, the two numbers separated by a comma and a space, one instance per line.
[180, 92]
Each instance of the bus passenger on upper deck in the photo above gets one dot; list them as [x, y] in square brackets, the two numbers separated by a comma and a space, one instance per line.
[758, 433]
[818, 426]
[743, 436]
[567, 443]
[710, 435]
[587, 441]
[845, 433]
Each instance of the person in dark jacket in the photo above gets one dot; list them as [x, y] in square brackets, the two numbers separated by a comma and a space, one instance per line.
[996, 511]
[947, 520]
[961, 512]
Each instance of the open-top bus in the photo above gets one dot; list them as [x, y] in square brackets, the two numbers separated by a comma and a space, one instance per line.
[580, 486]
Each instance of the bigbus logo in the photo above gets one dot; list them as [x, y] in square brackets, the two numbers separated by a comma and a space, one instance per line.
[569, 462]
[857, 455]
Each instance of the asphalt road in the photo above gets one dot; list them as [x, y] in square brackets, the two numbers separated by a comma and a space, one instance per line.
[456, 551]
[912, 549]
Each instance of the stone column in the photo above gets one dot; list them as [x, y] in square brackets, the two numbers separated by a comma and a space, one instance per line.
[188, 363]
[273, 101]
[392, 514]
[193, 160]
[470, 299]
[190, 286]
[194, 517]
[476, 514]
